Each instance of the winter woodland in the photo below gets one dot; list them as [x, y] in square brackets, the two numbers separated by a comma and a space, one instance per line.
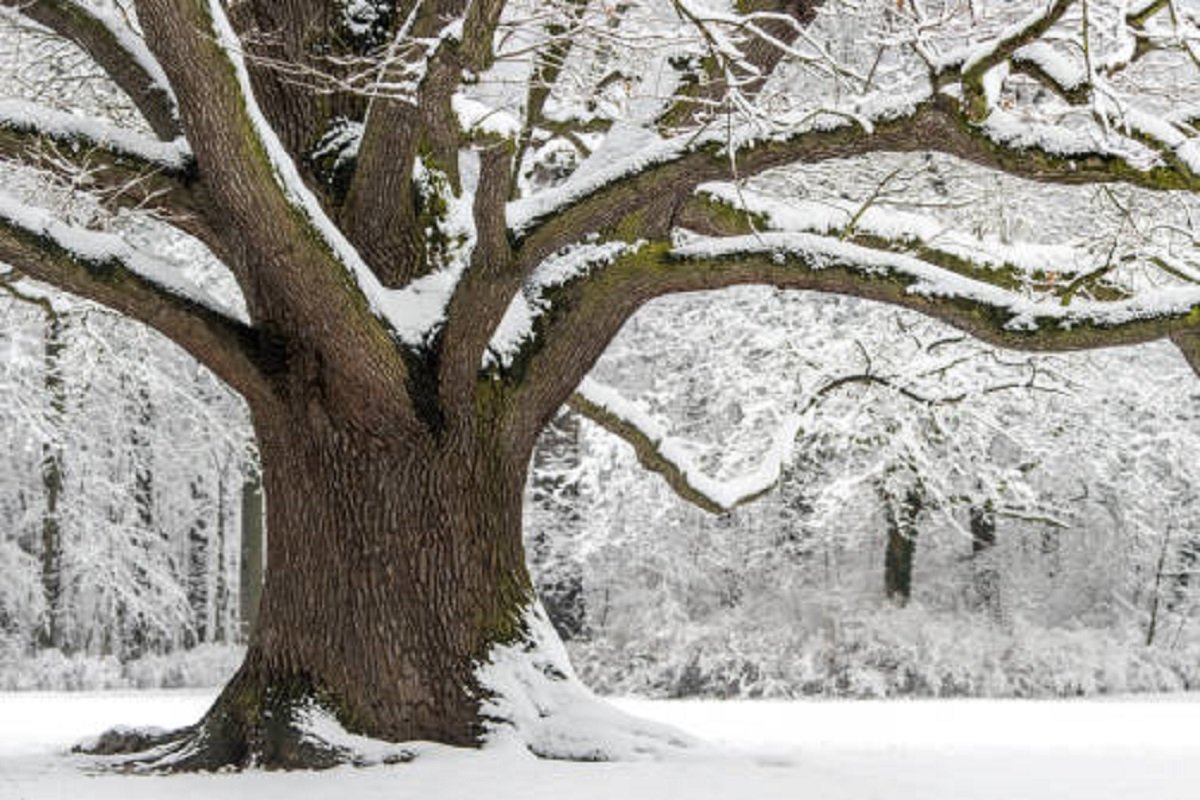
[858, 341]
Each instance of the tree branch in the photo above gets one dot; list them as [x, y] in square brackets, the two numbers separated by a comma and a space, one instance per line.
[584, 315]
[97, 269]
[659, 453]
[302, 281]
[113, 50]
[644, 204]
[121, 169]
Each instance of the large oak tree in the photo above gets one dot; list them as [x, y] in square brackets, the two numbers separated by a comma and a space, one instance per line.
[438, 214]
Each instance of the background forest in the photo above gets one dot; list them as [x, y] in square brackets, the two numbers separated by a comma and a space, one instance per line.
[944, 518]
[948, 519]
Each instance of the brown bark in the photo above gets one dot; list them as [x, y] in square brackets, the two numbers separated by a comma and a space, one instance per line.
[394, 564]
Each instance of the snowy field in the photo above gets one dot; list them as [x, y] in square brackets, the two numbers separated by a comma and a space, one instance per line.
[1123, 749]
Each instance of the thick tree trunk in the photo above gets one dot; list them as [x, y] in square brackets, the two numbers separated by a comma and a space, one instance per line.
[394, 566]
[250, 559]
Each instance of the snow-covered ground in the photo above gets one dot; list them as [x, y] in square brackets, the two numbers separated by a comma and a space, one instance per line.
[1123, 749]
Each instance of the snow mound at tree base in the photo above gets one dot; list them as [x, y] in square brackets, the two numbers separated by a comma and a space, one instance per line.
[535, 701]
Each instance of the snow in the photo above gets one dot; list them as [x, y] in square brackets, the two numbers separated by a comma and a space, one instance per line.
[412, 311]
[1064, 71]
[516, 326]
[118, 21]
[830, 216]
[31, 116]
[931, 281]
[476, 116]
[625, 151]
[540, 706]
[988, 48]
[904, 750]
[97, 247]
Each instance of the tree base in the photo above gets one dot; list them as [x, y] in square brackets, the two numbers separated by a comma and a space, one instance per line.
[310, 738]
[530, 699]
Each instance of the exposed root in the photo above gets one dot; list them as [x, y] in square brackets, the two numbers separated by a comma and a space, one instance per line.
[245, 730]
[536, 701]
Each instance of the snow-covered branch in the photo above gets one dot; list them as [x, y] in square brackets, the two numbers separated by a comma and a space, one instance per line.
[102, 268]
[117, 49]
[668, 456]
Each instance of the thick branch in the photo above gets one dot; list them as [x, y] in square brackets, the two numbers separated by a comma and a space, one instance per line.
[227, 347]
[633, 205]
[586, 314]
[382, 212]
[75, 23]
[300, 279]
[123, 178]
[483, 294]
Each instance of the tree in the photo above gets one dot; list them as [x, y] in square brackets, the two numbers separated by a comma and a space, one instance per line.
[430, 261]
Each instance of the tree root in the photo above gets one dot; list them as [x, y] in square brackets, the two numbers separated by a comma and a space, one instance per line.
[246, 728]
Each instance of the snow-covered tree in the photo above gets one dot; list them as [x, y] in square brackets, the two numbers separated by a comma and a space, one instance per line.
[437, 213]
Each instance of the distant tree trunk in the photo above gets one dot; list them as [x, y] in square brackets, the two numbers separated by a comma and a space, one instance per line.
[901, 543]
[143, 459]
[53, 630]
[1189, 560]
[986, 578]
[199, 562]
[221, 600]
[250, 573]
[1156, 593]
[136, 637]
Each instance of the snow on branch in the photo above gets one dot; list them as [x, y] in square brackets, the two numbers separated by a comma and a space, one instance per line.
[659, 452]
[88, 132]
[98, 250]
[396, 308]
[1020, 313]
[903, 228]
[103, 268]
[108, 37]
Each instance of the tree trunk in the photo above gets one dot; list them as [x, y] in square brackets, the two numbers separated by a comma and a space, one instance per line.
[393, 568]
[198, 569]
[986, 578]
[901, 544]
[250, 562]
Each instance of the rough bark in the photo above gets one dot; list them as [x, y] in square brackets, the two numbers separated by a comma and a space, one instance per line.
[394, 565]
[392, 473]
[250, 561]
